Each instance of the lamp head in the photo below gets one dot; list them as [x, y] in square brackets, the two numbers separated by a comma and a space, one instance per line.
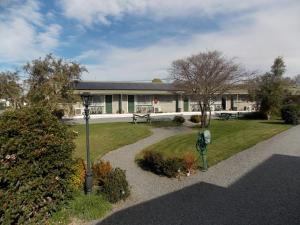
[86, 98]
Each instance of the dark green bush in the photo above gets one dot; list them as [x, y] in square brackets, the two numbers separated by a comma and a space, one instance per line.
[115, 187]
[178, 119]
[172, 166]
[290, 114]
[154, 162]
[253, 116]
[35, 165]
[195, 118]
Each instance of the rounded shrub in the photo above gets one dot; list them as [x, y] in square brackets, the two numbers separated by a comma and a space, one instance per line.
[178, 119]
[195, 118]
[290, 113]
[101, 169]
[115, 186]
[36, 165]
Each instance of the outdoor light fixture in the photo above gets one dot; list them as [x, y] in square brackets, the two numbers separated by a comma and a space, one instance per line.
[86, 98]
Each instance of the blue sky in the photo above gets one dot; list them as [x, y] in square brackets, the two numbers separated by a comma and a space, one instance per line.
[130, 40]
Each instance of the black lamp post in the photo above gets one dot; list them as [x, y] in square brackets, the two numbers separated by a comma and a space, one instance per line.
[86, 98]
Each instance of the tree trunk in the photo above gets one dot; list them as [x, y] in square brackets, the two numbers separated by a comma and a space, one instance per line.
[209, 118]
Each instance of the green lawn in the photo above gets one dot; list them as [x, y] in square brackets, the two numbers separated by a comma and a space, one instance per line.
[105, 137]
[228, 138]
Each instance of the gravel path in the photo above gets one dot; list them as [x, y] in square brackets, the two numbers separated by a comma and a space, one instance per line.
[225, 175]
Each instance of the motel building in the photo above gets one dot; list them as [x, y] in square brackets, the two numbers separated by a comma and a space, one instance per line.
[125, 98]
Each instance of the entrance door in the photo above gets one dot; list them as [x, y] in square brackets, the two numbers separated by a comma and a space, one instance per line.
[223, 103]
[186, 104]
[108, 104]
[131, 103]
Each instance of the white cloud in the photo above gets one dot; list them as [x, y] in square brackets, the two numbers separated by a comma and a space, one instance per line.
[24, 32]
[255, 39]
[90, 12]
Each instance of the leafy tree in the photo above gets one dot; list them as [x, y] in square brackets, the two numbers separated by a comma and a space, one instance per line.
[51, 82]
[206, 76]
[271, 89]
[10, 88]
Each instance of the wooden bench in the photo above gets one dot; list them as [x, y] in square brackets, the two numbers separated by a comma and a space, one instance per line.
[227, 116]
[135, 117]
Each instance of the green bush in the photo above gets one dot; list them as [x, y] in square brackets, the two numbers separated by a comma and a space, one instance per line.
[253, 116]
[173, 166]
[195, 118]
[35, 165]
[154, 162]
[78, 177]
[178, 119]
[115, 187]
[290, 114]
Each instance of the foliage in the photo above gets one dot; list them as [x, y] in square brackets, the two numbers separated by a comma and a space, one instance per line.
[154, 162]
[58, 113]
[115, 187]
[207, 76]
[297, 80]
[269, 90]
[290, 114]
[195, 118]
[10, 88]
[78, 177]
[253, 116]
[51, 81]
[101, 169]
[83, 207]
[178, 119]
[36, 165]
[172, 166]
[190, 161]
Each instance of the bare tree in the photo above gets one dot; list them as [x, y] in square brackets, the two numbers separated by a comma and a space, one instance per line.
[206, 76]
[297, 80]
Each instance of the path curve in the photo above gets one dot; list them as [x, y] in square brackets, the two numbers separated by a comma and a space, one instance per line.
[146, 185]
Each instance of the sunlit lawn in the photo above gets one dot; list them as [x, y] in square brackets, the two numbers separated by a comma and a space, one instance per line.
[228, 138]
[105, 137]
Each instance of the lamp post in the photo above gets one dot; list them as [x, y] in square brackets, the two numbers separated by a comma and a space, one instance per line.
[86, 98]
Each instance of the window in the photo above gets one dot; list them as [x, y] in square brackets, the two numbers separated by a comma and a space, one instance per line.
[144, 100]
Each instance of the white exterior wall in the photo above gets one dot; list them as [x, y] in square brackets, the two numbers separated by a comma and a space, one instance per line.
[167, 103]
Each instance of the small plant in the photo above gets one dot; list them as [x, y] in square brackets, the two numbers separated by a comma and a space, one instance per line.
[290, 114]
[115, 186]
[79, 173]
[172, 167]
[190, 162]
[101, 170]
[195, 118]
[179, 120]
[152, 161]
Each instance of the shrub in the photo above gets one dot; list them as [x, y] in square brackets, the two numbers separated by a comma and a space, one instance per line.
[290, 114]
[190, 162]
[178, 119]
[58, 113]
[78, 177]
[101, 170]
[36, 165]
[115, 186]
[172, 167]
[195, 118]
[152, 161]
[254, 116]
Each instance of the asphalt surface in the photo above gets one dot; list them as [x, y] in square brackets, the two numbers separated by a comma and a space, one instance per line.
[260, 185]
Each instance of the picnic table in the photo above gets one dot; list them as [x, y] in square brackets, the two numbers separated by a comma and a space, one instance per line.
[146, 116]
[227, 116]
